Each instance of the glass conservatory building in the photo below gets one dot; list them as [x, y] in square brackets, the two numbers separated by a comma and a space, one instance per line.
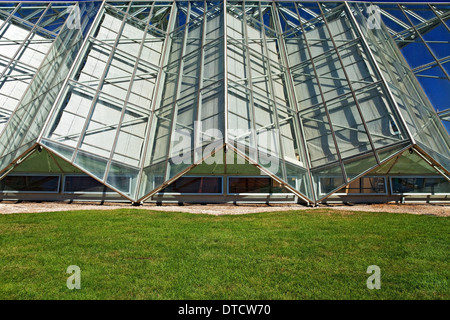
[224, 101]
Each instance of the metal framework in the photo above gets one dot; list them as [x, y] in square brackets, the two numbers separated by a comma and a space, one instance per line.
[308, 86]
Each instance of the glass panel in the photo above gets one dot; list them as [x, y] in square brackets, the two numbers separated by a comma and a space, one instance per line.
[152, 177]
[331, 77]
[21, 55]
[84, 184]
[435, 83]
[297, 51]
[91, 164]
[351, 136]
[211, 166]
[160, 136]
[68, 121]
[8, 159]
[329, 184]
[240, 117]
[61, 150]
[409, 162]
[195, 185]
[123, 178]
[269, 153]
[30, 183]
[212, 120]
[38, 162]
[236, 164]
[237, 185]
[383, 154]
[306, 86]
[425, 185]
[290, 137]
[297, 177]
[384, 126]
[365, 185]
[102, 126]
[442, 159]
[129, 147]
[321, 147]
[437, 40]
[27, 121]
[318, 37]
[327, 179]
[356, 167]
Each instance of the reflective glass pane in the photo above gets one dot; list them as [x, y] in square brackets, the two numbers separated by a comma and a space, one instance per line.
[195, 185]
[319, 140]
[84, 184]
[30, 183]
[264, 185]
[327, 180]
[92, 164]
[419, 185]
[153, 177]
[123, 178]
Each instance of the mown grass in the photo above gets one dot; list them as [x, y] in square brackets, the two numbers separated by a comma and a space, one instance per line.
[137, 254]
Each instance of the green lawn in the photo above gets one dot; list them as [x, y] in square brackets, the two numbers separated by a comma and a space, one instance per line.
[138, 254]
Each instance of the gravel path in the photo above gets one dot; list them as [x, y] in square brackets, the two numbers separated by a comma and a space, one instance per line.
[27, 207]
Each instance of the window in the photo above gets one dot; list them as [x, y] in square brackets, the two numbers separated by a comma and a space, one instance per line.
[195, 185]
[254, 185]
[86, 184]
[420, 185]
[365, 185]
[30, 183]
[328, 184]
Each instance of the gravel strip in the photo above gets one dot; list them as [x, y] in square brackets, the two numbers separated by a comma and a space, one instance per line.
[30, 207]
[34, 207]
[440, 210]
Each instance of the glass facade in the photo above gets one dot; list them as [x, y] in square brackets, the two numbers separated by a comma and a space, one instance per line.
[195, 185]
[154, 97]
[30, 183]
[422, 185]
[261, 185]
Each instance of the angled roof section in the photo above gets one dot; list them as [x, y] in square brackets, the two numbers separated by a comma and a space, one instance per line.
[38, 22]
